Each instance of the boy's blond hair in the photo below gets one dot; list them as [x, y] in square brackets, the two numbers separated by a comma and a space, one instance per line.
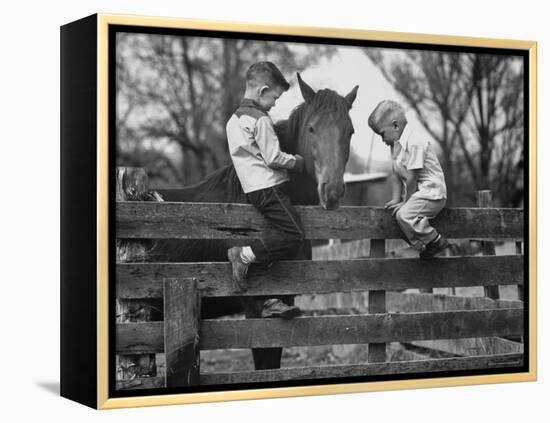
[385, 110]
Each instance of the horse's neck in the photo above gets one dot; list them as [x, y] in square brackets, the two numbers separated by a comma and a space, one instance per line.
[303, 187]
[221, 186]
[286, 141]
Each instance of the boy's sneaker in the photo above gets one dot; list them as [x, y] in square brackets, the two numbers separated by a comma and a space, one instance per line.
[434, 248]
[240, 268]
[276, 308]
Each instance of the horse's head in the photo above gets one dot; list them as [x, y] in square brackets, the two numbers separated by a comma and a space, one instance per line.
[324, 140]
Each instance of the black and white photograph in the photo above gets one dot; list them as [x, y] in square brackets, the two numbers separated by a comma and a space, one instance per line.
[298, 211]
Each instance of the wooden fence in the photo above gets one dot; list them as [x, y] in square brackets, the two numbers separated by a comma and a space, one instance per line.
[178, 287]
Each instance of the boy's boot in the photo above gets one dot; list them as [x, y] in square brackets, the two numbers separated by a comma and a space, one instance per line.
[240, 268]
[434, 247]
[276, 308]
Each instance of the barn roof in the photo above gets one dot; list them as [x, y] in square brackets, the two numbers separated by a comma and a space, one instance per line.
[352, 178]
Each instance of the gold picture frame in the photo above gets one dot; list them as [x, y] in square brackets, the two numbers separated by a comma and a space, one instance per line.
[93, 32]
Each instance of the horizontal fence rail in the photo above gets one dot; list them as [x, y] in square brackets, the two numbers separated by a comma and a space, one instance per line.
[155, 220]
[403, 318]
[144, 280]
[133, 338]
[345, 370]
[357, 370]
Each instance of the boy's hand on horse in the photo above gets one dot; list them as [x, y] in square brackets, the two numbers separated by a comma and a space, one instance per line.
[300, 163]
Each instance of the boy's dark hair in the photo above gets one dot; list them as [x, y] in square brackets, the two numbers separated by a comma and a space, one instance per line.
[266, 73]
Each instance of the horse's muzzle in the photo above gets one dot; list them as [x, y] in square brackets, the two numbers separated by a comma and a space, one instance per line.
[330, 194]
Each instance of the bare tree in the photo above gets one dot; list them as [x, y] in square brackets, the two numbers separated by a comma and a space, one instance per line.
[180, 91]
[472, 106]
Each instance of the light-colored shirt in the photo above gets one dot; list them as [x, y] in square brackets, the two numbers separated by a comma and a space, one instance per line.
[255, 150]
[412, 152]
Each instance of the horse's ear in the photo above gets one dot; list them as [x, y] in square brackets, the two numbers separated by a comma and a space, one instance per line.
[307, 91]
[350, 98]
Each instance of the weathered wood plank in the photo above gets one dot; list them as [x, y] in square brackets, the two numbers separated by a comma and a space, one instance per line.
[203, 220]
[484, 200]
[132, 185]
[141, 383]
[520, 287]
[377, 303]
[397, 302]
[139, 338]
[359, 329]
[141, 280]
[413, 302]
[305, 331]
[136, 366]
[181, 332]
[399, 367]
[472, 346]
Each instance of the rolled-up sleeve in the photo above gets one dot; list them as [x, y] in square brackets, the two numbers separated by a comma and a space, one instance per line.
[269, 146]
[416, 157]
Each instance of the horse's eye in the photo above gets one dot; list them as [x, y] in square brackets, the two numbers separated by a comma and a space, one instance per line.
[311, 130]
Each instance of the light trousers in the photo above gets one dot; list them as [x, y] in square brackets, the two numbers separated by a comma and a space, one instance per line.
[414, 220]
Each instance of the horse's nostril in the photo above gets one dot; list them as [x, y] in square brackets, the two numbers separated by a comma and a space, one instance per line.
[324, 191]
[330, 193]
[332, 205]
[334, 192]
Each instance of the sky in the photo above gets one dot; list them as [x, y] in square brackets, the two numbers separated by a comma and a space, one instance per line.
[347, 68]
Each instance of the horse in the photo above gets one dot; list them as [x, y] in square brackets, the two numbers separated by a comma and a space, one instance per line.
[320, 130]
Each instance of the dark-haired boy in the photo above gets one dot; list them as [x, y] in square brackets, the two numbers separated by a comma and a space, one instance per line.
[262, 169]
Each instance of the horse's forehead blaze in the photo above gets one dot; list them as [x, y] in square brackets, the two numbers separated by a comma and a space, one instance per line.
[335, 121]
[326, 129]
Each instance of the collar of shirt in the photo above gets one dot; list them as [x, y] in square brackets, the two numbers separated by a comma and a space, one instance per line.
[404, 138]
[248, 102]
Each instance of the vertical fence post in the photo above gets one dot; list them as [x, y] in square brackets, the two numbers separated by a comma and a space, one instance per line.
[377, 302]
[520, 287]
[181, 332]
[484, 200]
[132, 184]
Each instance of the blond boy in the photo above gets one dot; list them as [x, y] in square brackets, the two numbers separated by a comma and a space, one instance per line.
[418, 184]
